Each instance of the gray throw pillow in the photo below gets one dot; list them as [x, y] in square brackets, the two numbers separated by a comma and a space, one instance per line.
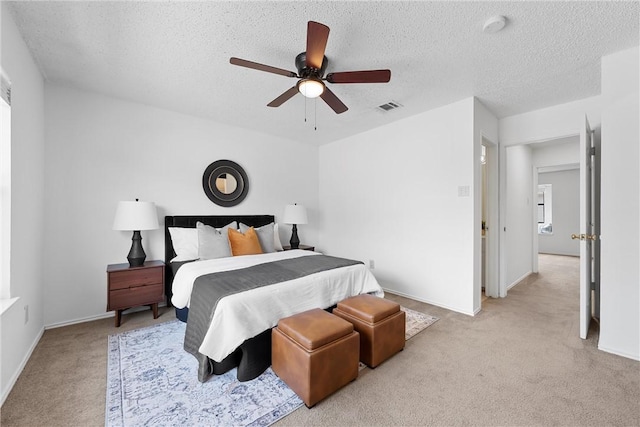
[213, 242]
[265, 236]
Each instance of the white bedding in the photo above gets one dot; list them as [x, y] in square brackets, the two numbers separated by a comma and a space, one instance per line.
[244, 315]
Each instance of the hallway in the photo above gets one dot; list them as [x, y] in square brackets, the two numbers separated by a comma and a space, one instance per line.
[553, 295]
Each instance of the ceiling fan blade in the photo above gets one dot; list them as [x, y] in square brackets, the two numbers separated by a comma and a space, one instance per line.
[332, 101]
[371, 76]
[317, 35]
[262, 67]
[284, 97]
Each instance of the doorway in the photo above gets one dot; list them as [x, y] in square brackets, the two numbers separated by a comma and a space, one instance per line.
[558, 209]
[520, 201]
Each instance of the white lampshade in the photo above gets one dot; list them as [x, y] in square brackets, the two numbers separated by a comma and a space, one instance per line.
[311, 88]
[132, 216]
[294, 214]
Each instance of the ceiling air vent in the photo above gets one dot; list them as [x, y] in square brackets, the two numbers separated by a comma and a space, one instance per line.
[391, 105]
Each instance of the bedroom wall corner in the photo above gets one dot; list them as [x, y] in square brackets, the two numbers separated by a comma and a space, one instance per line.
[403, 195]
[101, 150]
[19, 335]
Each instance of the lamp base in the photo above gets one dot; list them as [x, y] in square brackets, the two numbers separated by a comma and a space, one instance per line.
[294, 242]
[136, 255]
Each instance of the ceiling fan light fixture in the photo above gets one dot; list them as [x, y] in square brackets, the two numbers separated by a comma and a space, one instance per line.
[310, 87]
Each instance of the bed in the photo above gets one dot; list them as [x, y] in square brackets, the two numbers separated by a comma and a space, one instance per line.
[233, 329]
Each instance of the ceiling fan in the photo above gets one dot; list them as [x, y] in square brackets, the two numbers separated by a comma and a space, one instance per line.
[311, 66]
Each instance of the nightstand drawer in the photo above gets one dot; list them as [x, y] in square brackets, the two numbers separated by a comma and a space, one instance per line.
[136, 277]
[131, 297]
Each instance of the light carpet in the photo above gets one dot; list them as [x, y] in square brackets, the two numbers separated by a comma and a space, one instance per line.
[152, 381]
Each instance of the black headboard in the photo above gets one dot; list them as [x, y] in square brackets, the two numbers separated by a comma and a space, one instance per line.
[189, 221]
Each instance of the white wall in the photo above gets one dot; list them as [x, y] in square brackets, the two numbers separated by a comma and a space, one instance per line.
[562, 152]
[518, 254]
[550, 123]
[419, 233]
[566, 213]
[101, 150]
[620, 226]
[27, 204]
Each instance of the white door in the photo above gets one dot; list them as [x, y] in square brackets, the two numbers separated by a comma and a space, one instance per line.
[586, 235]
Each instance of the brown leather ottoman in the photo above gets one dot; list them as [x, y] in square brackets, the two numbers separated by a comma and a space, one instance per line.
[381, 325]
[315, 353]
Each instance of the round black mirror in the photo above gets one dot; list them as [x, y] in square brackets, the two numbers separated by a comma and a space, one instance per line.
[225, 183]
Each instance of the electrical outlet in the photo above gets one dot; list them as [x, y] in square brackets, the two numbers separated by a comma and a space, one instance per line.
[372, 264]
[26, 314]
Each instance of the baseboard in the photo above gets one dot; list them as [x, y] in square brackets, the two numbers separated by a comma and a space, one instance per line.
[620, 353]
[520, 279]
[80, 320]
[97, 317]
[468, 313]
[560, 254]
[16, 375]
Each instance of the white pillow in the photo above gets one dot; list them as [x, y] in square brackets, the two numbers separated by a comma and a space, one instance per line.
[185, 243]
[276, 238]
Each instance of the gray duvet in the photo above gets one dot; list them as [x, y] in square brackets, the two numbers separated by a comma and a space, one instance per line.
[210, 288]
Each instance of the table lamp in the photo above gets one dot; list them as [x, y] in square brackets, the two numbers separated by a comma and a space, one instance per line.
[136, 216]
[294, 214]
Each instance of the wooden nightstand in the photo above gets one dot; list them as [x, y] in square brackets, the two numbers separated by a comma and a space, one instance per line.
[303, 247]
[133, 286]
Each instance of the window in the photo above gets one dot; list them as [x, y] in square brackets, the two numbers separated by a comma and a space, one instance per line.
[5, 184]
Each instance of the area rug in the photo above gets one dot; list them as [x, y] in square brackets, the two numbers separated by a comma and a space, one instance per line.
[152, 381]
[416, 322]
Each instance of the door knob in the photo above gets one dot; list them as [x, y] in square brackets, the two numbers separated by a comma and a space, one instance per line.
[577, 237]
[591, 237]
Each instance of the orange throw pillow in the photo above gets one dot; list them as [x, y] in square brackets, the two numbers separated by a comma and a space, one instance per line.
[244, 244]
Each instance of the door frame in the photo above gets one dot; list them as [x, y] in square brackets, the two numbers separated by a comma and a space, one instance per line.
[492, 273]
[587, 225]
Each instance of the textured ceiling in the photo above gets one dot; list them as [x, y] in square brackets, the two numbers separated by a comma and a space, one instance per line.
[175, 55]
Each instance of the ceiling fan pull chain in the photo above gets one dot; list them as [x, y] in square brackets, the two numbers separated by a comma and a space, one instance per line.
[315, 114]
[305, 109]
